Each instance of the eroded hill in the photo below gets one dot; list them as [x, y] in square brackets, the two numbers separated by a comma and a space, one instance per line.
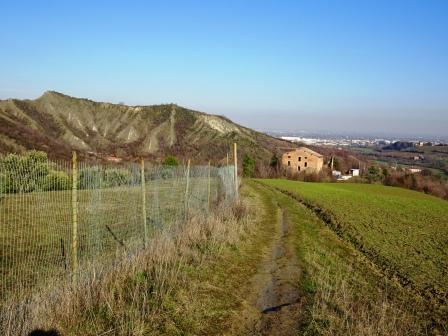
[58, 124]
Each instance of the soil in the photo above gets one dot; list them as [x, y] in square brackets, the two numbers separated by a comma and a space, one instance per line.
[274, 303]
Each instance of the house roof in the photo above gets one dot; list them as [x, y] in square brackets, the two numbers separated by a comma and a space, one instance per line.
[307, 150]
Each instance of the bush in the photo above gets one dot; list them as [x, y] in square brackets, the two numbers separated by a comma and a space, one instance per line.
[373, 174]
[275, 162]
[56, 180]
[248, 166]
[116, 177]
[90, 177]
[170, 161]
[5, 184]
[24, 173]
[96, 177]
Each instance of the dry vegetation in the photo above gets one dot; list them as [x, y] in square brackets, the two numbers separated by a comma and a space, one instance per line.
[136, 295]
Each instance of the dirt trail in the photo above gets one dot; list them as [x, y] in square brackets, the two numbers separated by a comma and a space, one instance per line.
[274, 304]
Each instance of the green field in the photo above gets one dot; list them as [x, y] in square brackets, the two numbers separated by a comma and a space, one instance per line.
[404, 232]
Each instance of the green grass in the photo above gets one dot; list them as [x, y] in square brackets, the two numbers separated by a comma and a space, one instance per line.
[36, 228]
[403, 231]
[345, 293]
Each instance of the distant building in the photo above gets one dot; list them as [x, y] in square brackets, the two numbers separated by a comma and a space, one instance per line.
[424, 143]
[302, 159]
[336, 173]
[414, 170]
[354, 172]
[382, 142]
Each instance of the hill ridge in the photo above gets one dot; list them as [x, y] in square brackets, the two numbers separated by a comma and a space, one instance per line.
[58, 124]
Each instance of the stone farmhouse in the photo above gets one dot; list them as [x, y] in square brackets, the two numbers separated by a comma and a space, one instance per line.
[302, 159]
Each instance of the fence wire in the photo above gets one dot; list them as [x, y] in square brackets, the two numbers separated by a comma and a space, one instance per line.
[117, 206]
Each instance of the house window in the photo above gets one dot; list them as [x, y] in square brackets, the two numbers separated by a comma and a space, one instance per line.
[289, 163]
[306, 164]
[300, 158]
[298, 168]
[289, 156]
[306, 157]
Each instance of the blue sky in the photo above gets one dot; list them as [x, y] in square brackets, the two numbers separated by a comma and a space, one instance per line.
[378, 66]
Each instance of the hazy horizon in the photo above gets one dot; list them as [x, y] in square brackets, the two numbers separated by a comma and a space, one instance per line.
[376, 68]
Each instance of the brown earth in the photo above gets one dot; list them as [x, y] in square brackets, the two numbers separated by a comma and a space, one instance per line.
[273, 303]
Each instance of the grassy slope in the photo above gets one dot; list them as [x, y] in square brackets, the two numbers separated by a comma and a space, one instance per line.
[346, 293]
[403, 231]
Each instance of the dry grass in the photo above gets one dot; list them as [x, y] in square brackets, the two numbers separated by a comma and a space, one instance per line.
[133, 295]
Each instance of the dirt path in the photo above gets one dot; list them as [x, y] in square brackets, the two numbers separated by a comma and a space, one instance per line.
[274, 304]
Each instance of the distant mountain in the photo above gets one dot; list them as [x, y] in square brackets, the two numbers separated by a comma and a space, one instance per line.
[57, 123]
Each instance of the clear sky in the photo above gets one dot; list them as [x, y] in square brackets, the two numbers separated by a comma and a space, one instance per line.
[336, 65]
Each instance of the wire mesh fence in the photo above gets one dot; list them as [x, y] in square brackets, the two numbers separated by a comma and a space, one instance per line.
[57, 216]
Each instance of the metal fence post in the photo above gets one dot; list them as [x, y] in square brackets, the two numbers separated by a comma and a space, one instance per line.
[74, 214]
[235, 162]
[145, 227]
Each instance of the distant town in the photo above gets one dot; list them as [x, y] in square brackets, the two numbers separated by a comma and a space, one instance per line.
[344, 140]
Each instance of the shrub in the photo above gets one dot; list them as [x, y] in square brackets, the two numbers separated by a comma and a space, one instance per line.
[275, 162]
[90, 177]
[5, 184]
[56, 180]
[170, 161]
[96, 177]
[248, 166]
[373, 174]
[116, 177]
[24, 173]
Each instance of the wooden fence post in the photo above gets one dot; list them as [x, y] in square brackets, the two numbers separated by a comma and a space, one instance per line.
[74, 214]
[145, 227]
[235, 162]
[209, 187]
[187, 187]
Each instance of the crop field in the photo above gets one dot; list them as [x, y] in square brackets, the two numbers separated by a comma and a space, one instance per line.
[345, 293]
[404, 232]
